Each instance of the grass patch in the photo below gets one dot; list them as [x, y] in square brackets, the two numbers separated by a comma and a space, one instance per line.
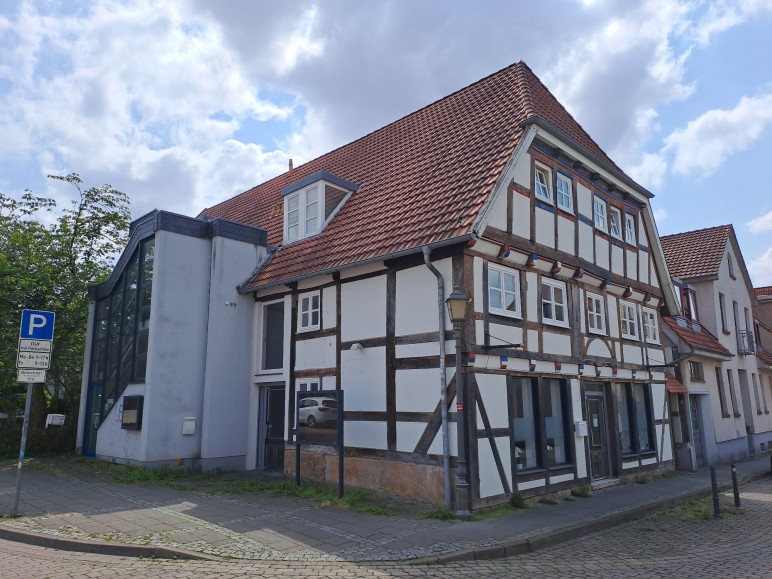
[700, 510]
[582, 492]
[441, 514]
[517, 502]
[641, 479]
[547, 501]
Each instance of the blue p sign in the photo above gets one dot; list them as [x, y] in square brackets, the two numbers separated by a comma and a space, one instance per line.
[37, 325]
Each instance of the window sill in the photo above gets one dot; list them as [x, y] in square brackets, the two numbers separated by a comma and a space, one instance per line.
[726, 332]
[505, 314]
[555, 324]
[726, 415]
[272, 372]
[631, 338]
[700, 380]
[596, 332]
[308, 329]
[737, 415]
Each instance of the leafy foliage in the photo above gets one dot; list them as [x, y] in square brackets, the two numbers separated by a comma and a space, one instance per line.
[48, 258]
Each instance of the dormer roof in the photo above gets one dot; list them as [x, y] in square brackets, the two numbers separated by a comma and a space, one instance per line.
[422, 179]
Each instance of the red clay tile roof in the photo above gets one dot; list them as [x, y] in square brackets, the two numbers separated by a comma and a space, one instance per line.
[702, 340]
[696, 253]
[764, 357]
[423, 178]
[763, 291]
[674, 385]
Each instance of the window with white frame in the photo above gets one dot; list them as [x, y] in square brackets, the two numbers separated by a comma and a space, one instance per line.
[554, 303]
[542, 183]
[596, 318]
[615, 222]
[308, 318]
[630, 228]
[650, 325]
[629, 322]
[563, 186]
[599, 213]
[302, 213]
[311, 202]
[504, 291]
[308, 384]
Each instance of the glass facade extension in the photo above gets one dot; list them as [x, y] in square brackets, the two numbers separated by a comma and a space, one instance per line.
[120, 339]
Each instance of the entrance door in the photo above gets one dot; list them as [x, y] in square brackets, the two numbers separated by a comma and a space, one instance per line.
[598, 436]
[271, 427]
[694, 413]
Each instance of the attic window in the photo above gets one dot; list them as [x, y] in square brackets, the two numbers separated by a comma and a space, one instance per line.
[310, 203]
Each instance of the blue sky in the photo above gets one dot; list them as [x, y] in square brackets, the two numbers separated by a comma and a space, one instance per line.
[182, 104]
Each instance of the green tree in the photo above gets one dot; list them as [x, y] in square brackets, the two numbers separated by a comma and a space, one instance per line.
[48, 258]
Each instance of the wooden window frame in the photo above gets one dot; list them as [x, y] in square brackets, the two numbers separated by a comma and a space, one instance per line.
[515, 274]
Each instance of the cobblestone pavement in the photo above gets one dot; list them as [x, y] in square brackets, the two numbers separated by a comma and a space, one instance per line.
[670, 543]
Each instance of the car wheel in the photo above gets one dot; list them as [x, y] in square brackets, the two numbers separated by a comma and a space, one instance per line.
[311, 421]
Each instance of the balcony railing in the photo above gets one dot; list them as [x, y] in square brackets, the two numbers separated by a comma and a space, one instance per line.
[745, 342]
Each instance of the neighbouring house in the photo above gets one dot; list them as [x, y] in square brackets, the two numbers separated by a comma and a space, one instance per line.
[494, 194]
[762, 312]
[724, 413]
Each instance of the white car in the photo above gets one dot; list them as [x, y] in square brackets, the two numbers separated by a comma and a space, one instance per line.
[317, 410]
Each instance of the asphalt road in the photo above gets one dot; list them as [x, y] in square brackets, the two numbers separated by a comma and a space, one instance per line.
[667, 544]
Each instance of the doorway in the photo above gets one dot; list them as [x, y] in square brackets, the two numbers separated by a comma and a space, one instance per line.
[270, 428]
[697, 438]
[597, 422]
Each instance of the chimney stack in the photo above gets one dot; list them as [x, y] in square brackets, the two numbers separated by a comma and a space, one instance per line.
[290, 165]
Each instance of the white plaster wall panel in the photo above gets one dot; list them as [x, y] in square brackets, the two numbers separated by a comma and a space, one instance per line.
[531, 290]
[505, 335]
[329, 308]
[643, 269]
[228, 351]
[315, 353]
[477, 297]
[420, 349]
[584, 200]
[522, 172]
[408, 435]
[666, 450]
[586, 235]
[656, 356]
[533, 484]
[617, 260]
[658, 394]
[597, 347]
[362, 270]
[364, 309]
[518, 365]
[612, 307]
[177, 345]
[629, 465]
[602, 250]
[553, 343]
[643, 238]
[418, 390]
[417, 307]
[493, 390]
[562, 478]
[363, 377]
[479, 332]
[436, 446]
[545, 227]
[521, 216]
[648, 461]
[490, 481]
[631, 261]
[580, 441]
[498, 216]
[631, 354]
[364, 434]
[329, 382]
[115, 442]
[566, 231]
[533, 340]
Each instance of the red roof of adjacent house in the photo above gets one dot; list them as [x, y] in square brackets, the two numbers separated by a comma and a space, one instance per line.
[763, 291]
[696, 253]
[674, 385]
[701, 340]
[764, 357]
[422, 179]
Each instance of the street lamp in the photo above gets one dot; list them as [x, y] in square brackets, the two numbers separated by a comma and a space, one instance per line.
[456, 303]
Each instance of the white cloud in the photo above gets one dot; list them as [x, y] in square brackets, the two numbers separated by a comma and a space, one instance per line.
[650, 171]
[760, 269]
[725, 14]
[660, 215]
[301, 43]
[761, 224]
[714, 136]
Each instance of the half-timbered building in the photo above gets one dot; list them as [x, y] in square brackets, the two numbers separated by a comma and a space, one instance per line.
[497, 193]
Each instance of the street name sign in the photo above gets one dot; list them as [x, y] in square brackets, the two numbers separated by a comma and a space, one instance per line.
[29, 375]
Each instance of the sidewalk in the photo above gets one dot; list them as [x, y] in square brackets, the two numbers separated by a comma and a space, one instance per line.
[77, 509]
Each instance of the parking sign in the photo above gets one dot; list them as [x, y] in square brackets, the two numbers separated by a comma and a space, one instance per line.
[37, 325]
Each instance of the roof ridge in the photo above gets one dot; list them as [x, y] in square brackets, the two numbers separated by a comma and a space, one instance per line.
[726, 228]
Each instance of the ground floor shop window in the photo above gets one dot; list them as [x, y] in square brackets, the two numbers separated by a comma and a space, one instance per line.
[635, 418]
[539, 411]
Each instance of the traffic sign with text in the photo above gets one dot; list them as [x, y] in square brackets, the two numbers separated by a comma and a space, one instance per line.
[39, 360]
[30, 375]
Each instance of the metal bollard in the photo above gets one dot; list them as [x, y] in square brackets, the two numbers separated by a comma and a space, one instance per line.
[714, 487]
[735, 487]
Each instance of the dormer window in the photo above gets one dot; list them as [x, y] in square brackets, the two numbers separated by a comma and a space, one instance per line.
[311, 203]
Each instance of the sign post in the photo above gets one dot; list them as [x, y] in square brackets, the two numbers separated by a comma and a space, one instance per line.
[32, 361]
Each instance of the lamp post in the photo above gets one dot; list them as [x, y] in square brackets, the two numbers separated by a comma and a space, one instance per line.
[456, 303]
